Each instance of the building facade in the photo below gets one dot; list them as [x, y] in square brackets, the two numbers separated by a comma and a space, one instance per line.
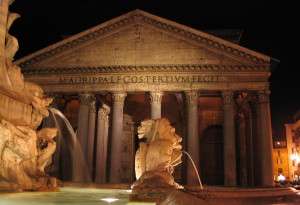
[293, 149]
[280, 160]
[214, 92]
[286, 152]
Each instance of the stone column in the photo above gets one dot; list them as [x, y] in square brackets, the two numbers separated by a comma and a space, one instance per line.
[265, 139]
[229, 140]
[117, 132]
[250, 150]
[156, 98]
[91, 134]
[242, 149]
[83, 121]
[102, 144]
[192, 135]
[80, 166]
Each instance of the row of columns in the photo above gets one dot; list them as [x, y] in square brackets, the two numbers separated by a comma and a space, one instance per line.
[86, 127]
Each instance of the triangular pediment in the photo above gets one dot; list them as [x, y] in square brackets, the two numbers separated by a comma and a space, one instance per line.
[139, 38]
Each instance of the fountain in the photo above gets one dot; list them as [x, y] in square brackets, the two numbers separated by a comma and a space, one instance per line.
[79, 169]
[195, 168]
[25, 152]
[160, 151]
[158, 154]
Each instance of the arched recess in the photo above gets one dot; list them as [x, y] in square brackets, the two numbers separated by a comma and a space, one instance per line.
[211, 156]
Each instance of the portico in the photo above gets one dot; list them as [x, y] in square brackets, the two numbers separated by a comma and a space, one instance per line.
[161, 62]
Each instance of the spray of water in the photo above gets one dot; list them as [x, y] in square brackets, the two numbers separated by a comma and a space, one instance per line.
[80, 171]
[195, 168]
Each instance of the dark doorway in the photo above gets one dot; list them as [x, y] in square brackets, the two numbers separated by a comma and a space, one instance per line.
[211, 156]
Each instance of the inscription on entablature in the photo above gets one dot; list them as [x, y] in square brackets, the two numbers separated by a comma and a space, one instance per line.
[124, 79]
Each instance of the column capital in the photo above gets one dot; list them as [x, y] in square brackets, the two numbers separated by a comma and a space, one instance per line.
[119, 97]
[156, 96]
[103, 112]
[92, 105]
[263, 96]
[228, 97]
[192, 96]
[86, 98]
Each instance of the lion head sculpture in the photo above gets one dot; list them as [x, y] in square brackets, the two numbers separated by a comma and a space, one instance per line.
[159, 152]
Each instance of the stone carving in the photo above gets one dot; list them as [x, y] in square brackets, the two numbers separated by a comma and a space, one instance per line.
[86, 99]
[119, 97]
[12, 45]
[228, 97]
[156, 97]
[141, 68]
[263, 96]
[192, 97]
[157, 156]
[24, 151]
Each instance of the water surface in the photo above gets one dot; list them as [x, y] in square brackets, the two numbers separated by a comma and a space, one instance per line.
[67, 196]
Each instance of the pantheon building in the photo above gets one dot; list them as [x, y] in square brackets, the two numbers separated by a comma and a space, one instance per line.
[137, 66]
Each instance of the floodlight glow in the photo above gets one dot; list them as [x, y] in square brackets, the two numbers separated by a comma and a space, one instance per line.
[296, 158]
[280, 177]
[109, 199]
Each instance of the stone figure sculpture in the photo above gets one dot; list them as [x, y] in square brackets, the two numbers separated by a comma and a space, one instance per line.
[24, 151]
[157, 155]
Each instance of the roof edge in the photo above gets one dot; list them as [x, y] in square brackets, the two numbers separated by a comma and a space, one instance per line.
[134, 16]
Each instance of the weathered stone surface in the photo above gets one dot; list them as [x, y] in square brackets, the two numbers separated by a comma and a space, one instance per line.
[142, 52]
[156, 158]
[24, 151]
[24, 155]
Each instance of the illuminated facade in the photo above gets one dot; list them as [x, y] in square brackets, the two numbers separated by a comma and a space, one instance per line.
[293, 149]
[286, 153]
[280, 159]
[214, 91]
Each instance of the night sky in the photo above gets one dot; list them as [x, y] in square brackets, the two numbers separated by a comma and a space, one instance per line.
[269, 27]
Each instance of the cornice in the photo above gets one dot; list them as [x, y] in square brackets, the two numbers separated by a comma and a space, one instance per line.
[146, 68]
[137, 17]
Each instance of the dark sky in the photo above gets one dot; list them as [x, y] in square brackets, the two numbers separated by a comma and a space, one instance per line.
[270, 27]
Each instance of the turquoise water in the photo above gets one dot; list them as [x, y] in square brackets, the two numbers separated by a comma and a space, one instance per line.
[68, 196]
[91, 196]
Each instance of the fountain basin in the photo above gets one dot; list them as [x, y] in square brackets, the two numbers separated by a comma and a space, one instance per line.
[68, 196]
[92, 194]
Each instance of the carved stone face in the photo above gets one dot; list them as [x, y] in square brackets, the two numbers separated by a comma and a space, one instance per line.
[145, 128]
[164, 149]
